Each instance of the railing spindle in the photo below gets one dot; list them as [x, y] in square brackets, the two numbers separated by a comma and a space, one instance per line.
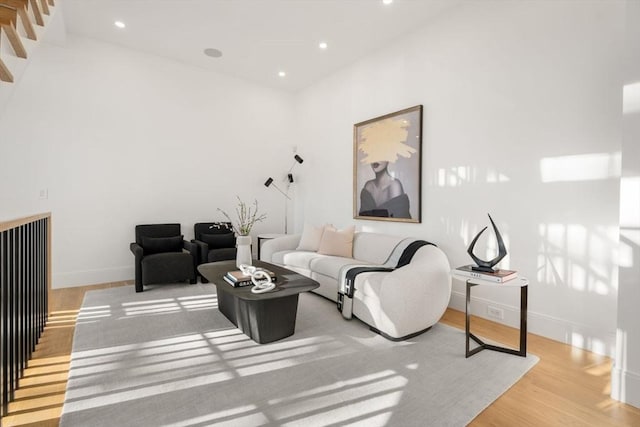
[24, 285]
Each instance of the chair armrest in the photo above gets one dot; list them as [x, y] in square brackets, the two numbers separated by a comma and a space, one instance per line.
[138, 252]
[190, 247]
[203, 250]
[284, 243]
[136, 249]
[419, 290]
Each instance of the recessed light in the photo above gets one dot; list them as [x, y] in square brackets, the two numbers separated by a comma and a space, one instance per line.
[214, 53]
[282, 74]
[387, 1]
[119, 24]
[323, 45]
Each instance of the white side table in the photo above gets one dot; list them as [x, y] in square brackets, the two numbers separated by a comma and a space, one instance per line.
[267, 236]
[519, 282]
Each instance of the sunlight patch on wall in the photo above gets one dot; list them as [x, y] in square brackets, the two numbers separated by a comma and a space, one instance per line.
[578, 341]
[494, 176]
[630, 201]
[629, 243]
[577, 257]
[631, 98]
[457, 176]
[582, 167]
[454, 176]
[629, 220]
[598, 346]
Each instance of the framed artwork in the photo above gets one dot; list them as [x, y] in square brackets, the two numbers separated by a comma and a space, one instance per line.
[387, 166]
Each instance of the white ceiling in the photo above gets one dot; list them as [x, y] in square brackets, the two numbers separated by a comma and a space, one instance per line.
[258, 38]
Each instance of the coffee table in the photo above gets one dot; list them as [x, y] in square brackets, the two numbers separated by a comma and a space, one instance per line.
[265, 317]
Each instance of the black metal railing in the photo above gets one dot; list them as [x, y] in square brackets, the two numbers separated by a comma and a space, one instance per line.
[24, 286]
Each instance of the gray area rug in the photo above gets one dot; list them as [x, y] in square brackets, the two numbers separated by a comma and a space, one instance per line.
[168, 357]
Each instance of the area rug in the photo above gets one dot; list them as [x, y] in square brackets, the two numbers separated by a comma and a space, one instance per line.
[168, 357]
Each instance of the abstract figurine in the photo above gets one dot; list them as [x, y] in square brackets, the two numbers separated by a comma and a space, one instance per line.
[486, 266]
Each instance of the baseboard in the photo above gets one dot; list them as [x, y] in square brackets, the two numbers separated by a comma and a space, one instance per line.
[625, 386]
[92, 277]
[577, 335]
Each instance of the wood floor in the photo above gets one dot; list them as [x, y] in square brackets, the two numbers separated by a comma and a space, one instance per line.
[568, 387]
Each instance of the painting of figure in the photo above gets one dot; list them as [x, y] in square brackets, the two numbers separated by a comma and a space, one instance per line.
[387, 163]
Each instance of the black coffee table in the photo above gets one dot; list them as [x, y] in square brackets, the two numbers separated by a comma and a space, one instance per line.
[265, 317]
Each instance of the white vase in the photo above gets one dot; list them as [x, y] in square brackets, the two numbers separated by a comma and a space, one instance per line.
[243, 255]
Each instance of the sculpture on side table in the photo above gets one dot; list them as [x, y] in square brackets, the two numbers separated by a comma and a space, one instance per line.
[487, 266]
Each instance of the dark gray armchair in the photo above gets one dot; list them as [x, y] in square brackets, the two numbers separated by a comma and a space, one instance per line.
[162, 255]
[216, 242]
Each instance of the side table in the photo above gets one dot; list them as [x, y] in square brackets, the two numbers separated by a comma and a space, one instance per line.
[267, 236]
[519, 282]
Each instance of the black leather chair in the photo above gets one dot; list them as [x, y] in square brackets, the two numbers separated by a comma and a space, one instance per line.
[162, 255]
[216, 242]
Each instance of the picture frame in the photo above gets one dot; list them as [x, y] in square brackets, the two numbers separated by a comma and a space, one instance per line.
[387, 167]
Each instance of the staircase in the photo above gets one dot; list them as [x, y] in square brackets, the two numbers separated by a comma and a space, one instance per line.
[18, 20]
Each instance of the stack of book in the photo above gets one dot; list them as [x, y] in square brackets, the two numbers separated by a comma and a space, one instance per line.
[237, 278]
[498, 276]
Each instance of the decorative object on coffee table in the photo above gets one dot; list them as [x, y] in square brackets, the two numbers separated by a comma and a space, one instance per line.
[487, 266]
[247, 217]
[288, 180]
[260, 278]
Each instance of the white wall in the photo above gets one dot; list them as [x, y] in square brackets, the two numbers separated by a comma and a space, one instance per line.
[625, 375]
[521, 120]
[120, 138]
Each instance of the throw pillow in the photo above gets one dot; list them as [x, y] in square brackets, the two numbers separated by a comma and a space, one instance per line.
[337, 242]
[156, 245]
[311, 237]
[219, 241]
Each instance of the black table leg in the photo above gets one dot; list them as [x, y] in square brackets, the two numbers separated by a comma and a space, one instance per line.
[484, 346]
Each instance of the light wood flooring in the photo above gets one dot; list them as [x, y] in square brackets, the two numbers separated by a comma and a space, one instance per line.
[568, 387]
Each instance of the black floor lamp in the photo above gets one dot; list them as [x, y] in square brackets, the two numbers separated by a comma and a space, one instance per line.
[288, 180]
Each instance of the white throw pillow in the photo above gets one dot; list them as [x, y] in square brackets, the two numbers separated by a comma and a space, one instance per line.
[337, 242]
[311, 237]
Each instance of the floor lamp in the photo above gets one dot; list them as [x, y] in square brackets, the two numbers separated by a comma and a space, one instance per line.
[288, 180]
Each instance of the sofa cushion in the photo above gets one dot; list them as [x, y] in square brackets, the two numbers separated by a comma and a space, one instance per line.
[337, 242]
[331, 265]
[311, 237]
[156, 245]
[298, 259]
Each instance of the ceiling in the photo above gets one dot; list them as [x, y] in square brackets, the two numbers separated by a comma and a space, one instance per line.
[258, 38]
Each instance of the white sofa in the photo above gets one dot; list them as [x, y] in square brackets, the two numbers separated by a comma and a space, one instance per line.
[397, 304]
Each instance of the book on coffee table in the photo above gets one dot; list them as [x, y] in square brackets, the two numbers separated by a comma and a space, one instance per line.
[236, 278]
